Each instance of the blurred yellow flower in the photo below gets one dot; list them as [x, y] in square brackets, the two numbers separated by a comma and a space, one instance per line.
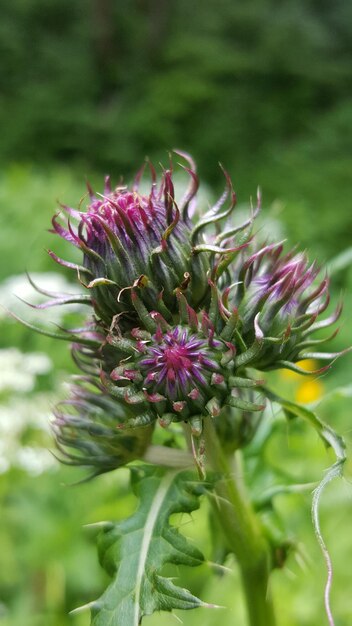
[309, 391]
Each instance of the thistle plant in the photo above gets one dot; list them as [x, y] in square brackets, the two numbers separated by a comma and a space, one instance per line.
[186, 314]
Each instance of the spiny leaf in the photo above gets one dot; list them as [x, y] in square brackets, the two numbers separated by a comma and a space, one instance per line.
[134, 550]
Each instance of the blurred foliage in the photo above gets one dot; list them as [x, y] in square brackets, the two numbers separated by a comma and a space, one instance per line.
[265, 86]
[93, 86]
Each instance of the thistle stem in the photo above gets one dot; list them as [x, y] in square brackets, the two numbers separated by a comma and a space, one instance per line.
[242, 532]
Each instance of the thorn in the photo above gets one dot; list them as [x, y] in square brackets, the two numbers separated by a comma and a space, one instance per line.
[179, 406]
[82, 608]
[177, 618]
[222, 568]
[98, 525]
[206, 605]
[216, 379]
[194, 394]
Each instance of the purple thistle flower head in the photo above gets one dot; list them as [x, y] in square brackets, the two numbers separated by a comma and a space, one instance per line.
[181, 372]
[177, 363]
[276, 279]
[279, 300]
[181, 310]
[129, 239]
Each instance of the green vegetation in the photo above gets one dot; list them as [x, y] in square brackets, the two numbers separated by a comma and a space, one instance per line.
[49, 563]
[93, 87]
[265, 87]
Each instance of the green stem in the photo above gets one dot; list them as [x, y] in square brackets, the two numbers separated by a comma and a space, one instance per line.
[168, 457]
[242, 532]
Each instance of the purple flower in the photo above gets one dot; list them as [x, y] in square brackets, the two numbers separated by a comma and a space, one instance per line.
[177, 363]
[177, 373]
[278, 301]
[180, 312]
[129, 239]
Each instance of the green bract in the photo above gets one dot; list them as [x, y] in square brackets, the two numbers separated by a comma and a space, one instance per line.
[181, 310]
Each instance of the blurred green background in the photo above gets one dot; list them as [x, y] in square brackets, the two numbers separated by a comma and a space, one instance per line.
[90, 87]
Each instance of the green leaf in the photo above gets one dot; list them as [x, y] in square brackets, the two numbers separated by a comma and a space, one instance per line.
[134, 550]
[293, 409]
[336, 442]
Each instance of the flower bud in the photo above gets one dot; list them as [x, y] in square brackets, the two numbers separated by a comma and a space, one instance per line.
[182, 310]
[128, 239]
[89, 429]
[278, 302]
[180, 372]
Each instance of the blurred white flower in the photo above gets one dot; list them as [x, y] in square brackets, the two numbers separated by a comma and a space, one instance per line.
[18, 370]
[19, 416]
[24, 417]
[34, 459]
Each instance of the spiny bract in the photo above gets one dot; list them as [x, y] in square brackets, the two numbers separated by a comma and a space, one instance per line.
[180, 310]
